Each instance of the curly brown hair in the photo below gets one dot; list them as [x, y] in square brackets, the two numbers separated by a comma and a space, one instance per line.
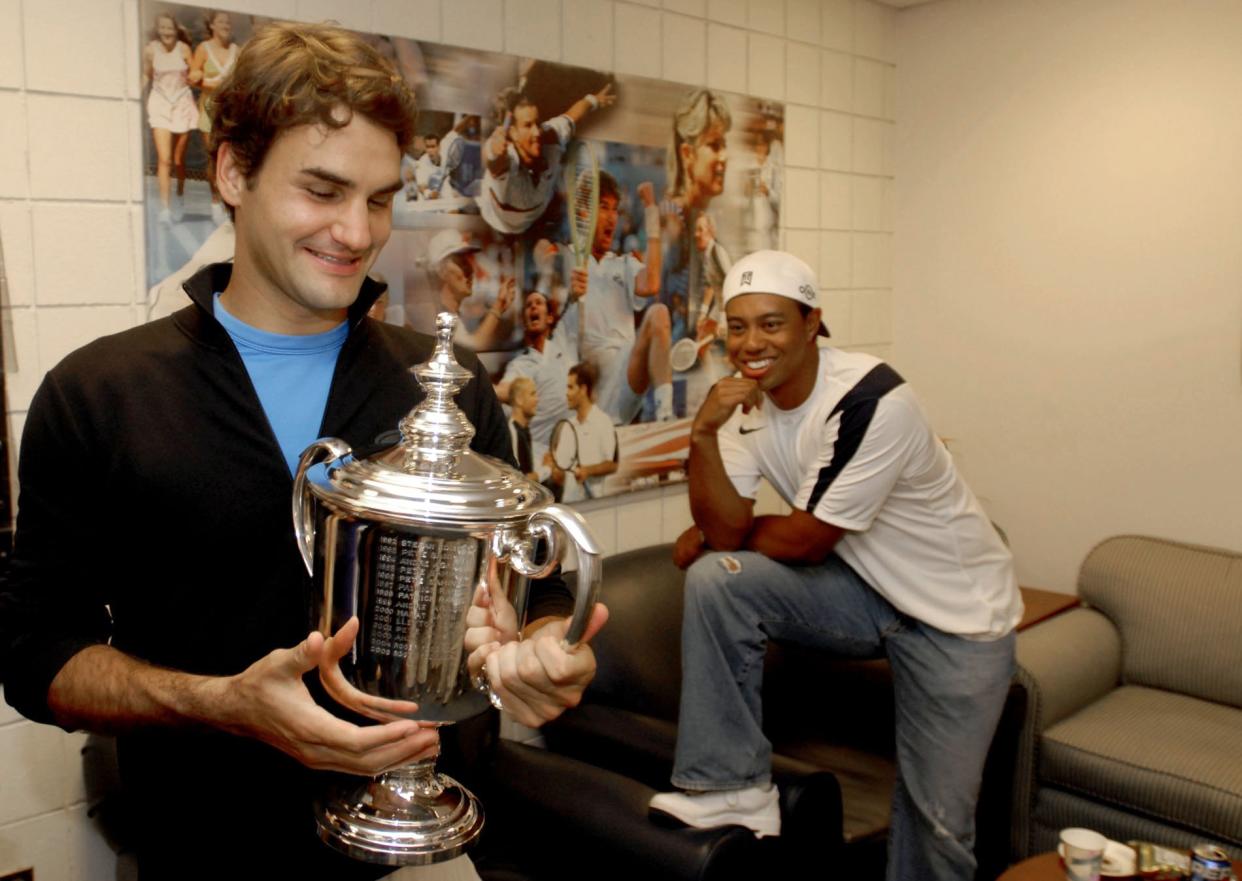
[288, 75]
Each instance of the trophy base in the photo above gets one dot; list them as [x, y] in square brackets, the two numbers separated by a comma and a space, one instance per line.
[399, 819]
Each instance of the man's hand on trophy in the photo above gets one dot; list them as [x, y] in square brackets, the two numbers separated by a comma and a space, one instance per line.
[491, 621]
[538, 678]
[269, 702]
[343, 691]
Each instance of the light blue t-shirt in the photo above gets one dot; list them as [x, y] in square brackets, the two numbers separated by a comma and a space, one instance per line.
[292, 375]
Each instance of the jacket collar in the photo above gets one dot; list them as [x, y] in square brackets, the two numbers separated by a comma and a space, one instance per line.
[199, 319]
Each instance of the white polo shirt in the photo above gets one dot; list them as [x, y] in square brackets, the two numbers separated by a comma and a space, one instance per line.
[860, 454]
[597, 442]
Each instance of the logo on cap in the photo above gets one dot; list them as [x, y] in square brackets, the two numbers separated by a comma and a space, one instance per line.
[746, 277]
[807, 291]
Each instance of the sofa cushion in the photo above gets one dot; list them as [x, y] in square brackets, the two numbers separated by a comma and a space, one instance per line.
[1168, 756]
[640, 650]
[1179, 610]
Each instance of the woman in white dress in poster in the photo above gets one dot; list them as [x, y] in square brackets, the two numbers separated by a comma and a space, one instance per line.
[213, 59]
[171, 112]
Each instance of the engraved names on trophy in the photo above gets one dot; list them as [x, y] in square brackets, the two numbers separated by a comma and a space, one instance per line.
[390, 610]
[419, 589]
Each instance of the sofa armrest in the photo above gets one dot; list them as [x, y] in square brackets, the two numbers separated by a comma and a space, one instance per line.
[641, 748]
[559, 818]
[1064, 663]
[1071, 660]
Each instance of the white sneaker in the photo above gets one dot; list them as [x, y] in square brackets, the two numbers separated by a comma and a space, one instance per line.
[757, 808]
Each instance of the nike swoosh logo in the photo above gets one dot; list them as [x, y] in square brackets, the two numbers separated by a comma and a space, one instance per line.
[741, 430]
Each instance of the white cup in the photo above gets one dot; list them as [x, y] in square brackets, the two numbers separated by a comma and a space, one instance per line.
[1083, 853]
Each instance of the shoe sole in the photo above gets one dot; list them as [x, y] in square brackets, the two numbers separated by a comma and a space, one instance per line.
[717, 822]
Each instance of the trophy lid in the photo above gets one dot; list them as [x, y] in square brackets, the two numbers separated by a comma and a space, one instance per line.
[432, 478]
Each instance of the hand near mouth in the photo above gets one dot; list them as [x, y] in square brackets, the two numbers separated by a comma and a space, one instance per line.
[726, 396]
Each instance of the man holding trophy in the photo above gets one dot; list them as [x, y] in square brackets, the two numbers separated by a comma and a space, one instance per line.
[156, 590]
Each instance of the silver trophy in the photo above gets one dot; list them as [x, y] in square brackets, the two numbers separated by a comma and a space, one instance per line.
[405, 540]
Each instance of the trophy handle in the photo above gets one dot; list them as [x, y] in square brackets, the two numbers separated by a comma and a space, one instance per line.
[543, 524]
[303, 507]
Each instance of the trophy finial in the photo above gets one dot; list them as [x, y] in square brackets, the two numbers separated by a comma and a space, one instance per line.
[446, 324]
[436, 432]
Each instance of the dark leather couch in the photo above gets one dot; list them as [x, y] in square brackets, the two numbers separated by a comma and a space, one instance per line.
[830, 721]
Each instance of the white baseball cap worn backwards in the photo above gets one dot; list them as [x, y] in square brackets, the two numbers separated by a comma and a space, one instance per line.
[773, 272]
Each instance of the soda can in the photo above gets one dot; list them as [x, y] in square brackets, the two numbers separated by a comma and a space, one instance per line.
[1208, 862]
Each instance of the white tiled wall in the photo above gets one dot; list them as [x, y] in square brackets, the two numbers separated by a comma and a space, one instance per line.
[418, 19]
[479, 24]
[70, 219]
[526, 28]
[684, 49]
[588, 33]
[725, 45]
[43, 810]
[636, 38]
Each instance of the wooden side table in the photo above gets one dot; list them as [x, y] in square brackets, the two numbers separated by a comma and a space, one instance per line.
[1047, 867]
[1043, 604]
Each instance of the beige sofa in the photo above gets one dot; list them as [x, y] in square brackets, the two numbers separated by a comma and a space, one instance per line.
[1134, 716]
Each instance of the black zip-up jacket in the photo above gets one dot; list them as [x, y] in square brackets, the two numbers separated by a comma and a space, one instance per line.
[154, 512]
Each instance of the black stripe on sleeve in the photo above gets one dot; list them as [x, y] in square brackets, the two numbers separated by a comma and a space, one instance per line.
[856, 407]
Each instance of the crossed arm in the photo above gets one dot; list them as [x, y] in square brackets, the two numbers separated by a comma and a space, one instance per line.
[724, 520]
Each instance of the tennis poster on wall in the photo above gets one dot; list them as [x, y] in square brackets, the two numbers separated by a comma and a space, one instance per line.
[578, 222]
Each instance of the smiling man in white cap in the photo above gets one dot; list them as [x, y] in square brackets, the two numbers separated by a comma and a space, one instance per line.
[886, 553]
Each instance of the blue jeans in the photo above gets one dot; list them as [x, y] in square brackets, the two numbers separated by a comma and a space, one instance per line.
[949, 693]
